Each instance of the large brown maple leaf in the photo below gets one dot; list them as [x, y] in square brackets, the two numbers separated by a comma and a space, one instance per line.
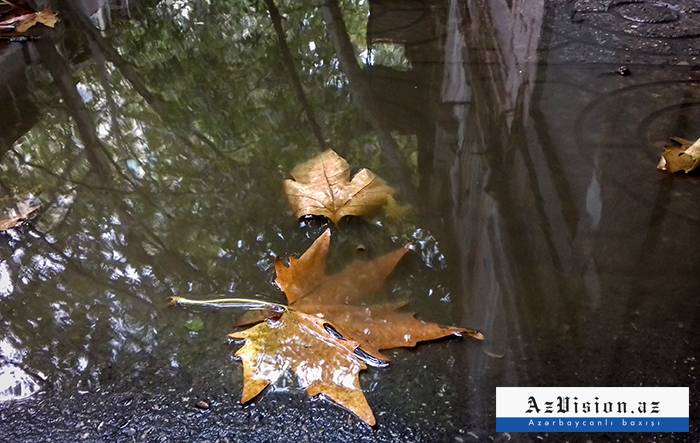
[327, 360]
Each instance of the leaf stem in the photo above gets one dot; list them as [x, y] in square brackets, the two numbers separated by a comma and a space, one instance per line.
[235, 303]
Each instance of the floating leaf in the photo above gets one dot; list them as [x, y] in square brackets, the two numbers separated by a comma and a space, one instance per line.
[685, 157]
[322, 186]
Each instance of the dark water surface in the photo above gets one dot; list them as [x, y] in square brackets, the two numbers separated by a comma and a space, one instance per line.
[158, 148]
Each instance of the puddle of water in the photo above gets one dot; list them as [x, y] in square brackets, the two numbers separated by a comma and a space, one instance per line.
[159, 151]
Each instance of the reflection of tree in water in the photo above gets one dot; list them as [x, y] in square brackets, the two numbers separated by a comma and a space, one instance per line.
[174, 121]
[167, 179]
[470, 90]
[176, 117]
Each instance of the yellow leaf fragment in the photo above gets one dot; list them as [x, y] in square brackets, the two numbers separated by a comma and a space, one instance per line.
[23, 211]
[684, 158]
[10, 222]
[299, 342]
[46, 17]
[322, 186]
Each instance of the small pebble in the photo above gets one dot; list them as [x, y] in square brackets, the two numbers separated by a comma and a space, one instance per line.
[623, 70]
[201, 404]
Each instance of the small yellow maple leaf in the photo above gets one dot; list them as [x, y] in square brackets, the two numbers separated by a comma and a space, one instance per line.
[24, 210]
[322, 186]
[46, 17]
[684, 158]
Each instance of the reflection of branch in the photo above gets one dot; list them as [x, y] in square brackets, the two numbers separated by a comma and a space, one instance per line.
[291, 71]
[362, 93]
[118, 197]
[148, 232]
[103, 76]
[64, 177]
[62, 77]
[6, 189]
[130, 74]
[70, 262]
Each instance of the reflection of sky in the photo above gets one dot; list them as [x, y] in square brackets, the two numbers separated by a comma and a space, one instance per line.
[85, 92]
[6, 287]
[9, 352]
[15, 383]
